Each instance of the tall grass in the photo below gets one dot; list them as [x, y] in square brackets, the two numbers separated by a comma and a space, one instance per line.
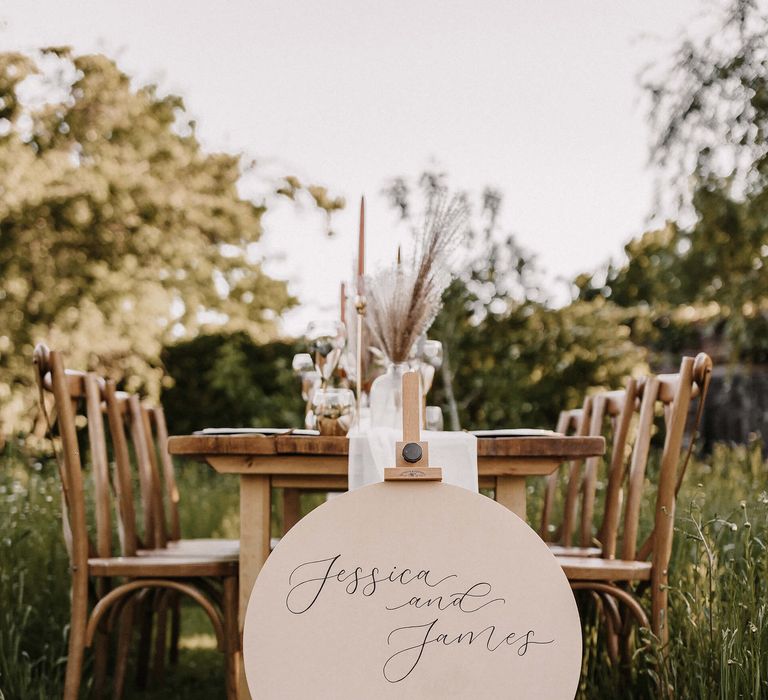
[718, 617]
[34, 597]
[718, 587]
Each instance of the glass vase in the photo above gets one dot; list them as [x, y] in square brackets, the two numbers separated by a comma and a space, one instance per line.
[387, 397]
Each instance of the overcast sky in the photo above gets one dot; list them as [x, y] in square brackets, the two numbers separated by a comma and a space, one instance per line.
[538, 99]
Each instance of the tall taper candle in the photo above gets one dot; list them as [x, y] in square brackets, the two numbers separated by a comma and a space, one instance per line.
[361, 248]
[360, 308]
[343, 302]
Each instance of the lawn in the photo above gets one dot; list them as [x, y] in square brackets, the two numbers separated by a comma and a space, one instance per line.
[719, 594]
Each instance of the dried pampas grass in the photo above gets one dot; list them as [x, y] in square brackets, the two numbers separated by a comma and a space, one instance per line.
[403, 301]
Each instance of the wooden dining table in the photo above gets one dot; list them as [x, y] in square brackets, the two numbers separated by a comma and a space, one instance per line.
[299, 463]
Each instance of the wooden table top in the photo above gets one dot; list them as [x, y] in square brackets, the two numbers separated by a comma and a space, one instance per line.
[555, 446]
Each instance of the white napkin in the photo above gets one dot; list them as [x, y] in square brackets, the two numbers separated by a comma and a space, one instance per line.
[372, 450]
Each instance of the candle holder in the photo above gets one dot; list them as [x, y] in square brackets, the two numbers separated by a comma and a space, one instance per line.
[360, 307]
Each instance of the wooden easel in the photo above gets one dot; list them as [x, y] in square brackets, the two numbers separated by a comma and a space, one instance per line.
[411, 454]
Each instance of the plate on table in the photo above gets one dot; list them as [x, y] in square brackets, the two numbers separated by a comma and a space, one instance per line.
[514, 432]
[257, 431]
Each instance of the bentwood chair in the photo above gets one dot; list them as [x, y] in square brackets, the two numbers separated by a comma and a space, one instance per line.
[619, 583]
[144, 427]
[155, 432]
[105, 587]
[616, 408]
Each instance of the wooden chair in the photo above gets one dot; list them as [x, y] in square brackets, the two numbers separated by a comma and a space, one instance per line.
[621, 582]
[105, 587]
[143, 425]
[616, 408]
[151, 423]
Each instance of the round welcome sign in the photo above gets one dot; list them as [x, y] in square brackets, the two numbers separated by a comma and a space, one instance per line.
[411, 589]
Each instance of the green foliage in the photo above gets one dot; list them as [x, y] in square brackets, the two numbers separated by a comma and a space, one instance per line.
[520, 367]
[118, 233]
[718, 606]
[709, 101]
[34, 595]
[688, 288]
[706, 284]
[222, 380]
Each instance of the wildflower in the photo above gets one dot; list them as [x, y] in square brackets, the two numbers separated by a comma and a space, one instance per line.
[734, 527]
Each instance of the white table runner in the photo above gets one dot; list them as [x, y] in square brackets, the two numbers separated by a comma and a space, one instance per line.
[372, 450]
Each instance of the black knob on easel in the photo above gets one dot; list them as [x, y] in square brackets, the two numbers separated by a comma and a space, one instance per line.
[412, 452]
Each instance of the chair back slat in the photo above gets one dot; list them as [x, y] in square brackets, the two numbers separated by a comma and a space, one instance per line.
[637, 467]
[589, 481]
[673, 444]
[675, 393]
[157, 488]
[616, 408]
[622, 406]
[116, 408]
[567, 422]
[154, 525]
[100, 464]
[136, 433]
[574, 479]
[52, 376]
[169, 475]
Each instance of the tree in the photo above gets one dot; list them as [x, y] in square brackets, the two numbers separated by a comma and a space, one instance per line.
[708, 280]
[709, 104]
[118, 233]
[226, 380]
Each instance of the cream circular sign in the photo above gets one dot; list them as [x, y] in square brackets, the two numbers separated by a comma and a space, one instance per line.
[412, 590]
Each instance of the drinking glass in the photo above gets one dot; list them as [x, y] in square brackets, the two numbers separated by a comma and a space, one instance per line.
[431, 356]
[434, 418]
[302, 362]
[326, 343]
[333, 411]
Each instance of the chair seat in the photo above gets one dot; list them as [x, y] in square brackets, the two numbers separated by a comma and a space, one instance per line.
[204, 546]
[157, 563]
[561, 551]
[595, 569]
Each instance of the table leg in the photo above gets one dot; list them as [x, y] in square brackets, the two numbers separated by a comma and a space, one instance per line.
[291, 508]
[255, 511]
[510, 492]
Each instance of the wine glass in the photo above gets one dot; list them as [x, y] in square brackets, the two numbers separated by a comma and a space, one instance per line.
[302, 362]
[304, 367]
[431, 356]
[326, 344]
